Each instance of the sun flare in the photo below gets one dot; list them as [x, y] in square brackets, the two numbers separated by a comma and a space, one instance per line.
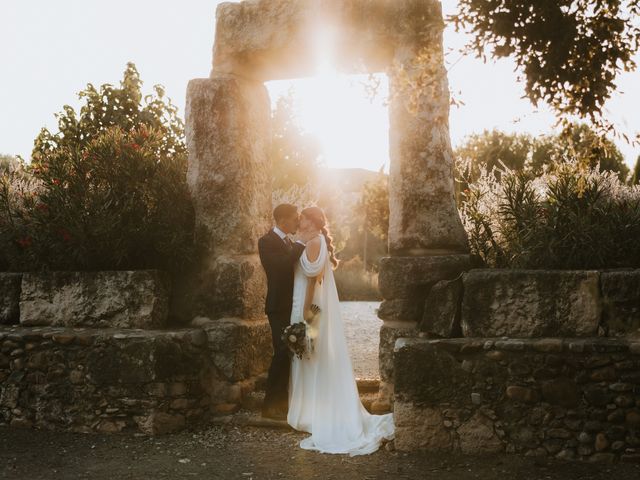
[351, 128]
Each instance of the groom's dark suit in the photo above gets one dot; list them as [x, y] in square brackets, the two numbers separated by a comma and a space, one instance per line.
[278, 258]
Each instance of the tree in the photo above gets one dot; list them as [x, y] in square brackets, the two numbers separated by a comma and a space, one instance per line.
[295, 154]
[523, 152]
[635, 179]
[569, 51]
[492, 148]
[106, 191]
[582, 142]
[7, 162]
[373, 209]
[123, 107]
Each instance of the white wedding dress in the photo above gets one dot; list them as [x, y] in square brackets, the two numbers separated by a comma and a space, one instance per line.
[323, 395]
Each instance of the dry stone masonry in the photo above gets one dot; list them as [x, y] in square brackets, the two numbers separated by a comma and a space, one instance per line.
[567, 398]
[93, 352]
[547, 365]
[104, 380]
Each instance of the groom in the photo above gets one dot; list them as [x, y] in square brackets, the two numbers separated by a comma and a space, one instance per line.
[278, 255]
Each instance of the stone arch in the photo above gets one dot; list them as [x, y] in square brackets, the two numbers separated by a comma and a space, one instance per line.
[227, 128]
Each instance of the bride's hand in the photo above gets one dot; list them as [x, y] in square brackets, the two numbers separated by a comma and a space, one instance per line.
[311, 313]
[305, 235]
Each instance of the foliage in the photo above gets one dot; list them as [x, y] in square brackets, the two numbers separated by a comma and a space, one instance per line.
[524, 152]
[107, 191]
[635, 178]
[579, 141]
[493, 148]
[564, 219]
[295, 155]
[570, 51]
[374, 206]
[354, 283]
[7, 162]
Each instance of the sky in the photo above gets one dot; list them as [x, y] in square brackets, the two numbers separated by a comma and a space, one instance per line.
[50, 50]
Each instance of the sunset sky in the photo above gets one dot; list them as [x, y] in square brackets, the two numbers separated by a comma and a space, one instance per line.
[51, 50]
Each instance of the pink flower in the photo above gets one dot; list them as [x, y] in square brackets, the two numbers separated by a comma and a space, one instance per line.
[25, 241]
[66, 236]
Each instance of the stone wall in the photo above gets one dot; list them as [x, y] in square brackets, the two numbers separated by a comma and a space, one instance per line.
[84, 352]
[104, 380]
[123, 380]
[535, 303]
[405, 283]
[567, 398]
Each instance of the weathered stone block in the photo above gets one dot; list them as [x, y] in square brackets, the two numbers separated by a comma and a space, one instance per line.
[530, 303]
[411, 277]
[119, 299]
[229, 287]
[621, 302]
[228, 138]
[400, 310]
[442, 310]
[425, 373]
[419, 428]
[10, 297]
[389, 333]
[239, 349]
[275, 39]
[477, 436]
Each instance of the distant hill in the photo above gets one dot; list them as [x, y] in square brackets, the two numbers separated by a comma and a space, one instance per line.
[347, 180]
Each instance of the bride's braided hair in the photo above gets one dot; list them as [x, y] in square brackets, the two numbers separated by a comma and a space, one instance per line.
[319, 219]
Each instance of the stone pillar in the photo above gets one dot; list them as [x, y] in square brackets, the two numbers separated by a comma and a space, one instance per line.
[423, 218]
[228, 138]
[427, 241]
[229, 176]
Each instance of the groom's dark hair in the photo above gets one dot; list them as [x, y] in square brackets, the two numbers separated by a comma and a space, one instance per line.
[283, 211]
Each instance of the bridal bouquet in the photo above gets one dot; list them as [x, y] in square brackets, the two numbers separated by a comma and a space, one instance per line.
[299, 337]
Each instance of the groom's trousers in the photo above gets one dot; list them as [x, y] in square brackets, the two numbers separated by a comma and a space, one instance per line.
[277, 390]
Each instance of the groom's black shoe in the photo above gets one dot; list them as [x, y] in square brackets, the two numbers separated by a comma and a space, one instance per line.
[274, 414]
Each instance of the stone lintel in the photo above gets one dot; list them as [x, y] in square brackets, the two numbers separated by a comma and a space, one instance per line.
[278, 39]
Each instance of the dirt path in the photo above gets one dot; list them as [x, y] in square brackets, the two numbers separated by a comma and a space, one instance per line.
[254, 453]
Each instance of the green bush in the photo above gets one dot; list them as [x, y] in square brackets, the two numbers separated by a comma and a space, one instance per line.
[354, 283]
[570, 217]
[108, 191]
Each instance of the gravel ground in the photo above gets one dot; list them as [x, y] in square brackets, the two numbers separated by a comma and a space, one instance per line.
[224, 452]
[362, 328]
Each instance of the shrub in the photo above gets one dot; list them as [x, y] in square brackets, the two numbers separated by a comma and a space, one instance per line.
[354, 283]
[570, 217]
[108, 191]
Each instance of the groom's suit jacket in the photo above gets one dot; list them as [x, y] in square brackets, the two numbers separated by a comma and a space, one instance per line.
[278, 258]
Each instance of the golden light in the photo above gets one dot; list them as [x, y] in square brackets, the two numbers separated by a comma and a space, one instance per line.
[351, 128]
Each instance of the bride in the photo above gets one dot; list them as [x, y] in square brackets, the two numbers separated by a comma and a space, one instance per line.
[323, 395]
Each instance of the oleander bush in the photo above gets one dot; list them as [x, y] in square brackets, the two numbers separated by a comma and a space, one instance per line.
[571, 216]
[107, 191]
